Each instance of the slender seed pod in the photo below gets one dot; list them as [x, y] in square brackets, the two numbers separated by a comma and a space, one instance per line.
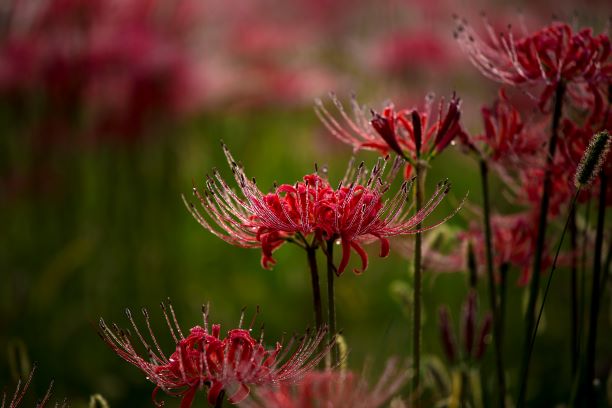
[593, 159]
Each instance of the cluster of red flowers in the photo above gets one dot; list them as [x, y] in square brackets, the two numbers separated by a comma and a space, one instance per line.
[354, 213]
[203, 358]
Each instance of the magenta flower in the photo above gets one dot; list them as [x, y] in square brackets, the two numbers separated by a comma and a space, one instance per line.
[354, 213]
[332, 389]
[22, 389]
[203, 358]
[548, 56]
[427, 131]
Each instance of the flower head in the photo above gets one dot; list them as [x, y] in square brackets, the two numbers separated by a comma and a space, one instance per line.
[355, 212]
[22, 389]
[332, 389]
[411, 133]
[548, 56]
[205, 358]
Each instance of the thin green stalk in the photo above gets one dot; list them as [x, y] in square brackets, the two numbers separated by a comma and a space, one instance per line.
[550, 276]
[493, 302]
[595, 296]
[416, 329]
[503, 295]
[574, 292]
[331, 301]
[316, 289]
[536, 269]
[583, 267]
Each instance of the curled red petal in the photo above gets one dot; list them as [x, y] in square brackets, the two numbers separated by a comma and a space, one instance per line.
[346, 255]
[188, 397]
[241, 393]
[213, 393]
[363, 255]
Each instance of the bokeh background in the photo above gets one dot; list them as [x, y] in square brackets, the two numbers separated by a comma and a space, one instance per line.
[111, 109]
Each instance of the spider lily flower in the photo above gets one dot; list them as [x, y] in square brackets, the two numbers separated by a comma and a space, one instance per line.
[357, 213]
[354, 213]
[407, 132]
[553, 54]
[332, 389]
[22, 389]
[470, 332]
[204, 358]
[257, 219]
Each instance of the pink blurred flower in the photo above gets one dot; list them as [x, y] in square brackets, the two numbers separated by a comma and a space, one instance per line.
[203, 358]
[354, 213]
[332, 389]
[107, 68]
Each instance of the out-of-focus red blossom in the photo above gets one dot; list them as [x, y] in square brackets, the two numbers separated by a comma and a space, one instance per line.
[469, 332]
[426, 131]
[507, 140]
[20, 391]
[354, 213]
[231, 364]
[514, 238]
[332, 389]
[115, 64]
[553, 54]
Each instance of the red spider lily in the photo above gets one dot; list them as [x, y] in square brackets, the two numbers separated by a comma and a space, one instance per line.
[354, 213]
[203, 358]
[554, 53]
[405, 131]
[471, 351]
[258, 219]
[506, 139]
[22, 389]
[332, 389]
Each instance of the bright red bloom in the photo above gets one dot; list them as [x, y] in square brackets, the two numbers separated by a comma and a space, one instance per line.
[404, 131]
[203, 358]
[554, 53]
[22, 389]
[471, 350]
[354, 213]
[332, 389]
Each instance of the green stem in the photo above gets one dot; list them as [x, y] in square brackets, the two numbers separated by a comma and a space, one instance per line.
[331, 301]
[316, 289]
[536, 269]
[550, 276]
[503, 295]
[574, 293]
[421, 172]
[493, 302]
[595, 296]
